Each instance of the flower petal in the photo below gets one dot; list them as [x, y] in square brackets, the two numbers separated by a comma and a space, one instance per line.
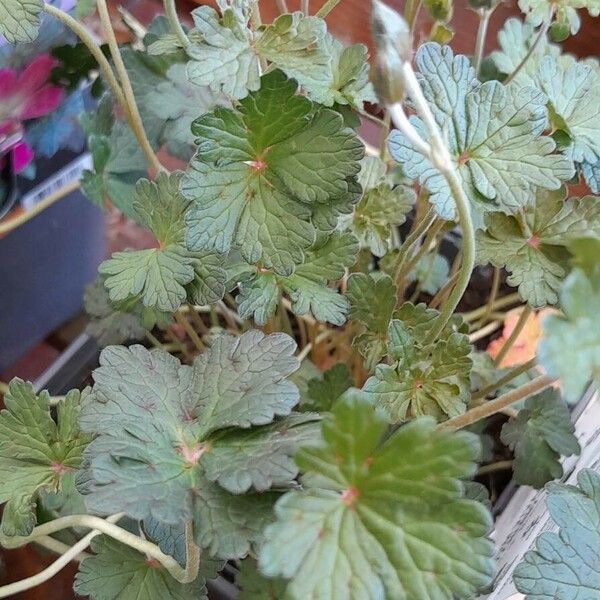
[42, 102]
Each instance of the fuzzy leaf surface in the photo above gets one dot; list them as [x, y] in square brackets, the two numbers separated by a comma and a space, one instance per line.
[378, 513]
[421, 380]
[534, 250]
[566, 564]
[540, 433]
[307, 287]
[159, 421]
[324, 391]
[36, 452]
[118, 572]
[19, 19]
[577, 329]
[161, 278]
[494, 135]
[381, 208]
[260, 169]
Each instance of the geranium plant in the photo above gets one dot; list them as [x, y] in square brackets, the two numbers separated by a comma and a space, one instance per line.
[310, 403]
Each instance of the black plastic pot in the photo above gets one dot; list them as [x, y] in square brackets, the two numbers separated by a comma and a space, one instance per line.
[45, 265]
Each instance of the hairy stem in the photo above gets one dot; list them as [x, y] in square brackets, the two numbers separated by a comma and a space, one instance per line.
[174, 23]
[135, 120]
[492, 407]
[484, 20]
[514, 334]
[192, 555]
[59, 564]
[489, 306]
[191, 332]
[410, 242]
[501, 465]
[282, 7]
[82, 33]
[411, 12]
[305, 7]
[484, 331]
[512, 374]
[499, 303]
[106, 527]
[327, 8]
[438, 154]
[536, 42]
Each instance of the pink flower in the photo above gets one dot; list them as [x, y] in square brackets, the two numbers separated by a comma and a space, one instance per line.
[23, 96]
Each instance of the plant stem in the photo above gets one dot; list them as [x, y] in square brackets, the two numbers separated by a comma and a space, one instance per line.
[499, 303]
[57, 565]
[501, 465]
[191, 332]
[484, 20]
[514, 334]
[443, 292]
[440, 158]
[49, 543]
[192, 555]
[383, 134]
[494, 406]
[512, 374]
[305, 7]
[410, 241]
[327, 8]
[484, 331]
[82, 33]
[492, 297]
[107, 527]
[541, 35]
[174, 23]
[135, 120]
[411, 11]
[282, 7]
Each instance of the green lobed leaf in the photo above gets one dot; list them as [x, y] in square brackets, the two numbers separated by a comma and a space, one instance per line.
[515, 40]
[381, 209]
[159, 422]
[342, 79]
[566, 564]
[540, 433]
[378, 513]
[533, 248]
[118, 572]
[421, 380]
[260, 458]
[571, 88]
[324, 391]
[259, 170]
[36, 451]
[177, 101]
[19, 19]
[372, 302]
[162, 278]
[108, 324]
[225, 54]
[327, 260]
[577, 330]
[494, 136]
[253, 586]
[565, 13]
[431, 272]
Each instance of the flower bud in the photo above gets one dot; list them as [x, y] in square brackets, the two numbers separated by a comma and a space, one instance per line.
[393, 45]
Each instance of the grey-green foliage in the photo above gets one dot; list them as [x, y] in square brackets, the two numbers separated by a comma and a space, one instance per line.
[202, 442]
[495, 136]
[566, 564]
